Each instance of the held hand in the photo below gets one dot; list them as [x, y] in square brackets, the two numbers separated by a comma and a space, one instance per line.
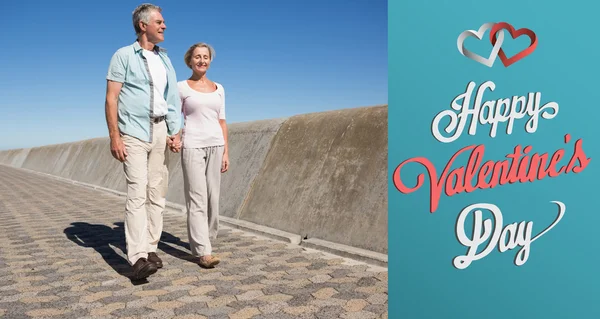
[117, 148]
[174, 143]
[225, 163]
[175, 149]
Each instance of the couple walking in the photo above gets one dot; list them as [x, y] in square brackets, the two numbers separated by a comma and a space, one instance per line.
[144, 103]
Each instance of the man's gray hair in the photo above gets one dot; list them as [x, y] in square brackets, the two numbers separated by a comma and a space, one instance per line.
[142, 14]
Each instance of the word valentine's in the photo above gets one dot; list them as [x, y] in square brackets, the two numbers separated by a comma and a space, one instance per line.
[519, 166]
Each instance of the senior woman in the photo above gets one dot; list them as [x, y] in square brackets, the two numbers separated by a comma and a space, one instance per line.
[204, 152]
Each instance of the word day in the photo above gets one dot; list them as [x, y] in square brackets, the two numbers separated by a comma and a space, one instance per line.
[495, 234]
[491, 112]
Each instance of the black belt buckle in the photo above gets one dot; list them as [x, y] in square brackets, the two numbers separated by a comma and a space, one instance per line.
[156, 120]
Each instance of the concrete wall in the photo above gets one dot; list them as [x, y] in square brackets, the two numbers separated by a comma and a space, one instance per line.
[320, 175]
[326, 177]
[88, 161]
[14, 157]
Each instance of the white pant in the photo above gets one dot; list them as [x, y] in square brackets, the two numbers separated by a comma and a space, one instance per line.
[147, 182]
[202, 184]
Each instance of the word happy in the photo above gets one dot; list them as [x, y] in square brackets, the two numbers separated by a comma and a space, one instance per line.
[491, 230]
[492, 112]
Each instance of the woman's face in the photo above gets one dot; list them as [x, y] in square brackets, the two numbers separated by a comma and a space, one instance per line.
[200, 60]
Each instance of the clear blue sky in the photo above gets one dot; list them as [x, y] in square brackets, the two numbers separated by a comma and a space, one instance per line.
[275, 58]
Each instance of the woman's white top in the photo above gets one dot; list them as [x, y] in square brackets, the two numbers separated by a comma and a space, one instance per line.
[201, 114]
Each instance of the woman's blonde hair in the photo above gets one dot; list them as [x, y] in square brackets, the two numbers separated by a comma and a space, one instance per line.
[187, 58]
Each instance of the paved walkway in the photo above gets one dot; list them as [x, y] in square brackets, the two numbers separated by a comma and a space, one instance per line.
[61, 256]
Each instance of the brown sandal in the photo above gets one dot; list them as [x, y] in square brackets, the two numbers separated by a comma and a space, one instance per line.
[210, 263]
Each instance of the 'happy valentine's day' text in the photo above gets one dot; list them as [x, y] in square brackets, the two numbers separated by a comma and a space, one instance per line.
[520, 166]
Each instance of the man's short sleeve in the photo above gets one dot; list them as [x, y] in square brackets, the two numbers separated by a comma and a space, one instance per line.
[117, 68]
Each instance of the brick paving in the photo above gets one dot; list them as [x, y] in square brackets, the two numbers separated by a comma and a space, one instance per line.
[61, 256]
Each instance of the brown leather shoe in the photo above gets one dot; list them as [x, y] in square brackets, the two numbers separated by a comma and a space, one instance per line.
[153, 258]
[143, 269]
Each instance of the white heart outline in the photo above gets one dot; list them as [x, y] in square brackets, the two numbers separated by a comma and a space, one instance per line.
[460, 42]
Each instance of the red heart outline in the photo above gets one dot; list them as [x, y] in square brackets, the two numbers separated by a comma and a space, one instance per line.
[515, 34]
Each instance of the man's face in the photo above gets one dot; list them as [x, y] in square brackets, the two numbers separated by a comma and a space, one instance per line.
[155, 28]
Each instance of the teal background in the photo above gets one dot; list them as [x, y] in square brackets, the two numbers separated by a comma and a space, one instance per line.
[426, 72]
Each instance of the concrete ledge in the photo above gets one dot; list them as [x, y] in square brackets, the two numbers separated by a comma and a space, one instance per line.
[262, 230]
[366, 256]
[247, 226]
[369, 257]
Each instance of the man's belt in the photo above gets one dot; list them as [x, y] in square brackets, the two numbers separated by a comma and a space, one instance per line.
[158, 119]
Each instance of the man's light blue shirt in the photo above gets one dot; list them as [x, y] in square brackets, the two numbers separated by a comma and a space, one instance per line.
[135, 106]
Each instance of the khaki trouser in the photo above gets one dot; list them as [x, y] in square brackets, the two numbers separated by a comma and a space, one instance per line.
[202, 184]
[147, 182]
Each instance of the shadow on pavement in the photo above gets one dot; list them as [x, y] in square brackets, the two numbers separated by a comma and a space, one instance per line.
[102, 237]
[177, 253]
[168, 238]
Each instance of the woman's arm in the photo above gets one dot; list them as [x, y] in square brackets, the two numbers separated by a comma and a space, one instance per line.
[225, 164]
[223, 124]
